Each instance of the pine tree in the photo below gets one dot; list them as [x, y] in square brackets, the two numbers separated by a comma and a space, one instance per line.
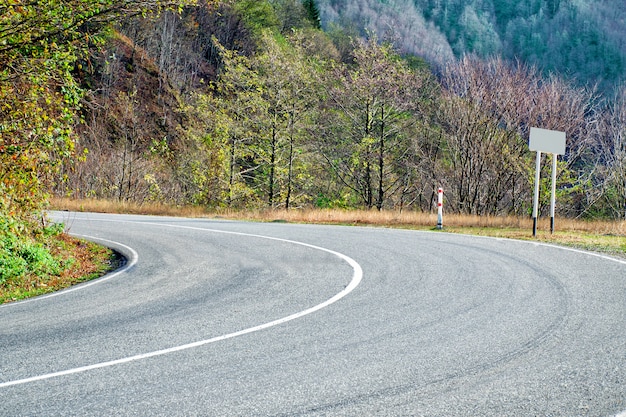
[313, 13]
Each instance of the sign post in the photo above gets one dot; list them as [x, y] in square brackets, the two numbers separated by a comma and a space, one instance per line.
[553, 195]
[536, 195]
[549, 141]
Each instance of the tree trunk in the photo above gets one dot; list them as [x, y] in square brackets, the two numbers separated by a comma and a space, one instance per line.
[290, 166]
[231, 171]
[381, 159]
[272, 166]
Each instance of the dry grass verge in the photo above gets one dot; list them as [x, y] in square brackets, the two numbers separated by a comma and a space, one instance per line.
[603, 236]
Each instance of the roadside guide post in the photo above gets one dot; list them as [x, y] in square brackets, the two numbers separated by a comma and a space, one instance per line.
[440, 208]
[549, 141]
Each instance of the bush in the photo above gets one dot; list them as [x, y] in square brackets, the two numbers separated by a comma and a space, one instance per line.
[11, 267]
[21, 255]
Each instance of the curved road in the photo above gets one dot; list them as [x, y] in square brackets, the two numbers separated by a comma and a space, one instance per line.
[221, 318]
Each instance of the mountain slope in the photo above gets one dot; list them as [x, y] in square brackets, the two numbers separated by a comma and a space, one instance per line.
[579, 39]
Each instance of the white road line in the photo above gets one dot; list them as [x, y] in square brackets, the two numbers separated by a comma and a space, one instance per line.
[357, 276]
[535, 243]
[584, 252]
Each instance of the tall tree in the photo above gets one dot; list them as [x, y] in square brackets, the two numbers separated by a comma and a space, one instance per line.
[488, 109]
[290, 93]
[41, 45]
[312, 13]
[234, 114]
[610, 181]
[373, 101]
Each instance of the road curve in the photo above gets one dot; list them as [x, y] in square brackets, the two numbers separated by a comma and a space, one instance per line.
[221, 318]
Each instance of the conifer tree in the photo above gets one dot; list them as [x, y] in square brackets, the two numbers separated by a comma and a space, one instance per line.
[312, 12]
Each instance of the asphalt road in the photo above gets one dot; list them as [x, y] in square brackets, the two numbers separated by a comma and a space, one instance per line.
[221, 318]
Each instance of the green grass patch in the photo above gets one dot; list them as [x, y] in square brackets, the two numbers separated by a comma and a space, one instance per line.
[35, 264]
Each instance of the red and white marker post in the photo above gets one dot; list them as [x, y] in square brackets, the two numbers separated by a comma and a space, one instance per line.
[440, 208]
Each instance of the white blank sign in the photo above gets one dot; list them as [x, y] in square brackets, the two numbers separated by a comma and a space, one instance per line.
[547, 141]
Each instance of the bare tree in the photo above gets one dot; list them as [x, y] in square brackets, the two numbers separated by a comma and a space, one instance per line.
[487, 157]
[610, 168]
[498, 103]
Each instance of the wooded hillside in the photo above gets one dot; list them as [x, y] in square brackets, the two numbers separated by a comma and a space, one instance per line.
[248, 104]
[581, 40]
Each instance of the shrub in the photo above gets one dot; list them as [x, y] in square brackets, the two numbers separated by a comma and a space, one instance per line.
[21, 255]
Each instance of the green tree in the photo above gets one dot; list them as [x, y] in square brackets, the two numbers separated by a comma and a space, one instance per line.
[42, 44]
[374, 102]
[312, 13]
[260, 110]
[290, 93]
[257, 14]
[235, 112]
[291, 15]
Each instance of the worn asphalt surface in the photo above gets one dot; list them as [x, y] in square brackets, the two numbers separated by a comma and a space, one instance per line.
[222, 318]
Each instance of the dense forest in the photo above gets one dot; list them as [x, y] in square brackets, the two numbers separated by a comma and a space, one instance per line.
[580, 40]
[264, 104]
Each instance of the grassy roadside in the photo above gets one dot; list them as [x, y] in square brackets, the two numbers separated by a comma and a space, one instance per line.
[66, 261]
[600, 236]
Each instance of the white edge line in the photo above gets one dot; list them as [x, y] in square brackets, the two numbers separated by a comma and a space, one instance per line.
[584, 252]
[535, 243]
[357, 276]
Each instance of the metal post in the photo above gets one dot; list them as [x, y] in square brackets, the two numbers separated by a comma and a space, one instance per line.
[553, 196]
[536, 199]
[440, 208]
